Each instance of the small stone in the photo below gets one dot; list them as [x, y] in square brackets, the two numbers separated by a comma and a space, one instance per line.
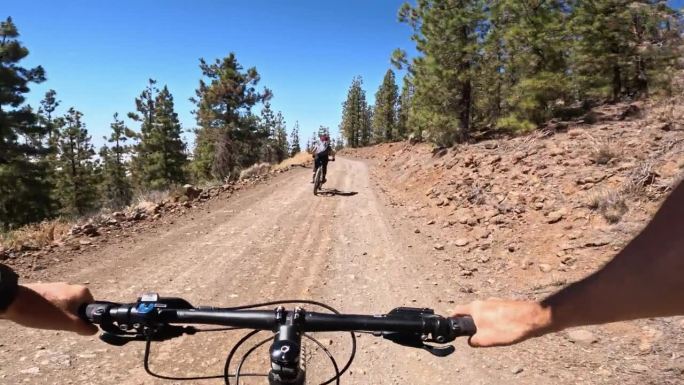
[118, 215]
[582, 337]
[544, 267]
[417, 231]
[639, 368]
[84, 242]
[461, 242]
[481, 233]
[439, 247]
[597, 242]
[432, 222]
[555, 216]
[33, 370]
[516, 370]
[525, 263]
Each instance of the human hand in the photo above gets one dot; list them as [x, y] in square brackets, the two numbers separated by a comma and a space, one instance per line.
[505, 322]
[51, 306]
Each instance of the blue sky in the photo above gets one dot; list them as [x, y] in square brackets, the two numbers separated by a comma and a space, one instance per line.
[99, 55]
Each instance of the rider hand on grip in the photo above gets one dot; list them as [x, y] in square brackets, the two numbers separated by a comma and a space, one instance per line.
[43, 305]
[643, 280]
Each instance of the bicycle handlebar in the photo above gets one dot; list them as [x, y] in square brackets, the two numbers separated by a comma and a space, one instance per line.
[406, 326]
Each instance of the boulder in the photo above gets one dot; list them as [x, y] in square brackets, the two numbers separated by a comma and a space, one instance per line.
[582, 337]
[191, 191]
[149, 208]
[555, 216]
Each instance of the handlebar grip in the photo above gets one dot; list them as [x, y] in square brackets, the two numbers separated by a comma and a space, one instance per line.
[93, 312]
[463, 326]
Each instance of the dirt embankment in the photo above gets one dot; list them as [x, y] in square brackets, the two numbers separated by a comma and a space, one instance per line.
[545, 201]
[525, 216]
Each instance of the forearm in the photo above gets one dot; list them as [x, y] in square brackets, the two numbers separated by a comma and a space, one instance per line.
[50, 306]
[643, 280]
[31, 309]
[646, 279]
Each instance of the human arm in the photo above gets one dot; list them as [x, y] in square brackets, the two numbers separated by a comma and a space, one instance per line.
[643, 280]
[49, 306]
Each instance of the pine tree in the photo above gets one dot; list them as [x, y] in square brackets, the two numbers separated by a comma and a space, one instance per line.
[116, 186]
[229, 135]
[403, 109]
[311, 144]
[165, 145]
[24, 180]
[294, 140]
[48, 106]
[541, 79]
[366, 122]
[76, 183]
[621, 46]
[267, 123]
[145, 107]
[385, 110]
[447, 34]
[280, 138]
[274, 148]
[355, 124]
[160, 153]
[338, 144]
[491, 83]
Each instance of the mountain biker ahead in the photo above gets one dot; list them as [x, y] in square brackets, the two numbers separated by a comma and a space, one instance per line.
[322, 150]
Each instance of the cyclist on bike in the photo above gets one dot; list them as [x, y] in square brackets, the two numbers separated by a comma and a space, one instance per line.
[321, 151]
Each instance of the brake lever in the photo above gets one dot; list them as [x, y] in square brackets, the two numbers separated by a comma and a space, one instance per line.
[118, 339]
[439, 351]
[166, 332]
[415, 341]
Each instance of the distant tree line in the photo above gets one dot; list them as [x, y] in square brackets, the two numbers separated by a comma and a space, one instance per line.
[510, 65]
[49, 166]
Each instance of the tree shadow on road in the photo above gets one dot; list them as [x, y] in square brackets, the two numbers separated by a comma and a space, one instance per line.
[335, 192]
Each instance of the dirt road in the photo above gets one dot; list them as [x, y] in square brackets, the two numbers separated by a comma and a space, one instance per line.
[274, 241]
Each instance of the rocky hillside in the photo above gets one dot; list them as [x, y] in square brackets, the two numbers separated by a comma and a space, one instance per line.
[522, 217]
[541, 203]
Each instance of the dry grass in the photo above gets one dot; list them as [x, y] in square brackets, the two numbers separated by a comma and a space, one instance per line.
[255, 170]
[476, 195]
[639, 178]
[611, 204]
[670, 112]
[155, 196]
[303, 159]
[36, 235]
[603, 153]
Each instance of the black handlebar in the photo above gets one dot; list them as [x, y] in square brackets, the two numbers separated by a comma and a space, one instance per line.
[152, 318]
[407, 326]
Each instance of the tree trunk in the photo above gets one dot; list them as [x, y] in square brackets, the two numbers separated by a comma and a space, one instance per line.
[617, 82]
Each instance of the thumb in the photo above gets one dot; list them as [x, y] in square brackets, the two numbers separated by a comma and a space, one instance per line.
[461, 310]
[82, 327]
